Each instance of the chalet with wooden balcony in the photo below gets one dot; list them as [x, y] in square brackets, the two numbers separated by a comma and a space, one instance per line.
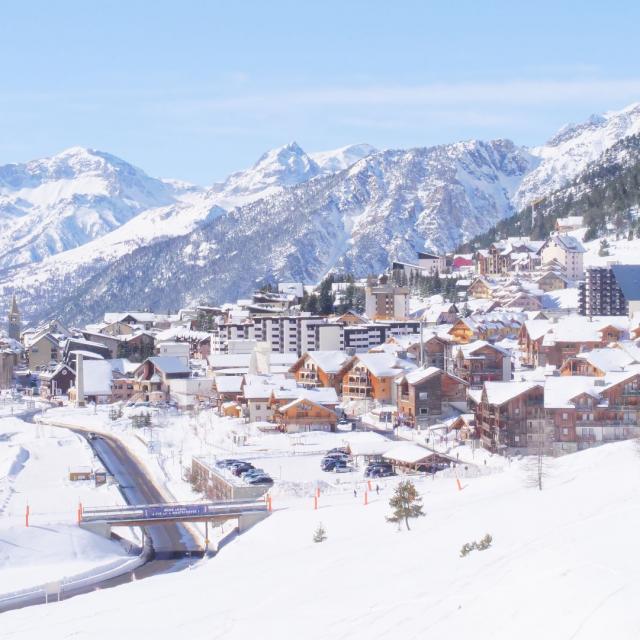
[371, 375]
[281, 396]
[598, 362]
[479, 362]
[434, 352]
[552, 342]
[424, 395]
[320, 369]
[586, 411]
[303, 414]
[511, 414]
[481, 288]
[153, 377]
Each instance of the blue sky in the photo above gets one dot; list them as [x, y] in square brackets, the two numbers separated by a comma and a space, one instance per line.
[195, 90]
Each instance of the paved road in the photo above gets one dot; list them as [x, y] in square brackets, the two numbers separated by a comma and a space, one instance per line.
[169, 541]
[170, 547]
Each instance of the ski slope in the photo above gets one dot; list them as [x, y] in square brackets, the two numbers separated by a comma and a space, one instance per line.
[562, 566]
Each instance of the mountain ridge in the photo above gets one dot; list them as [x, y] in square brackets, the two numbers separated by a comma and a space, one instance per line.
[355, 208]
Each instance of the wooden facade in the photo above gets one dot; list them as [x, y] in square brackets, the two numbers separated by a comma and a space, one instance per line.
[304, 415]
[422, 396]
[513, 421]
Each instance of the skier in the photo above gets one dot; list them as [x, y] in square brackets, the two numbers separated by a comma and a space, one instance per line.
[377, 490]
[355, 493]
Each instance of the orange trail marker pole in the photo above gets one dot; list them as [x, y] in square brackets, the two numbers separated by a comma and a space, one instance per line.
[269, 507]
[369, 484]
[315, 503]
[366, 498]
[317, 492]
[458, 483]
[26, 517]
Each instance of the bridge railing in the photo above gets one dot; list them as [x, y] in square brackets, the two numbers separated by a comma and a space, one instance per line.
[172, 510]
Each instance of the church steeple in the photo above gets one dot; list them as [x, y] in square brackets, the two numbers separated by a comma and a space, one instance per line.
[14, 324]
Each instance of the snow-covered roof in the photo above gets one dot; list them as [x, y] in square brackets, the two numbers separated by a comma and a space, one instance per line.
[500, 392]
[139, 316]
[574, 328]
[123, 365]
[329, 361]
[407, 452]
[475, 395]
[228, 384]
[470, 350]
[299, 400]
[384, 364]
[97, 377]
[569, 243]
[259, 387]
[242, 360]
[319, 395]
[169, 364]
[560, 390]
[607, 359]
[90, 355]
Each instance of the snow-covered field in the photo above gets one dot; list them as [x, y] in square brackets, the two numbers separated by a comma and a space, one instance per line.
[562, 565]
[35, 461]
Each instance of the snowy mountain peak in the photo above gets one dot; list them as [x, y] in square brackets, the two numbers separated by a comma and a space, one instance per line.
[569, 152]
[342, 158]
[63, 201]
[284, 166]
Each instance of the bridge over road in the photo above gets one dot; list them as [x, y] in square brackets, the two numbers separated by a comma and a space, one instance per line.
[101, 519]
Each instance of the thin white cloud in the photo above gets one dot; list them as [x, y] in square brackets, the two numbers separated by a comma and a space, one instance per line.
[513, 93]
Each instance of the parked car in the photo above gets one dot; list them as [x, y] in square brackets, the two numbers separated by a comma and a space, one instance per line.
[263, 479]
[339, 468]
[239, 469]
[433, 467]
[253, 472]
[382, 473]
[226, 463]
[329, 464]
[372, 471]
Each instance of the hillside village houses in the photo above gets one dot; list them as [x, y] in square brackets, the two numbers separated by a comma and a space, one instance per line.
[502, 358]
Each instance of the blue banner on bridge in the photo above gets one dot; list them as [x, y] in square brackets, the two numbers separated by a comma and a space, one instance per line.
[175, 510]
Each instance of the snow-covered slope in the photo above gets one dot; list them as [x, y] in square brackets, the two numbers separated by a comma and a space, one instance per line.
[340, 159]
[562, 565]
[569, 152]
[58, 203]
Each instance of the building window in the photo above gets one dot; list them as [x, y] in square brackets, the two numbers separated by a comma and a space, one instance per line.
[565, 416]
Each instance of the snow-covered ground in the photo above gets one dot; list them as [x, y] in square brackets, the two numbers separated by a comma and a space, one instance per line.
[35, 461]
[562, 565]
[166, 449]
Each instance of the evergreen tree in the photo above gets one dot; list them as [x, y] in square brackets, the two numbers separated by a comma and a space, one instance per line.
[312, 304]
[326, 298]
[406, 503]
[320, 534]
[604, 248]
